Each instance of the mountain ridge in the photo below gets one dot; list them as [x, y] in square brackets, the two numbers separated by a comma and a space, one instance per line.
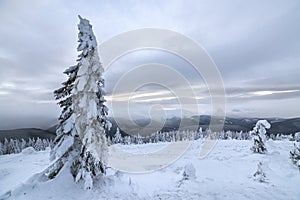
[278, 126]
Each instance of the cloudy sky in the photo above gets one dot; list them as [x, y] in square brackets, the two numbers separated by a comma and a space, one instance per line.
[254, 44]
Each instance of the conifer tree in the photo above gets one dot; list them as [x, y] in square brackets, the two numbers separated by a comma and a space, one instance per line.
[260, 174]
[1, 149]
[259, 136]
[295, 155]
[117, 137]
[81, 141]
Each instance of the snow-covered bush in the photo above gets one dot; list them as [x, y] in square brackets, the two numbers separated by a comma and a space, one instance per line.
[260, 174]
[295, 155]
[81, 133]
[259, 136]
[189, 173]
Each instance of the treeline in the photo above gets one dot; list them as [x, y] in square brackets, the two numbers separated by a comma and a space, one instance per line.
[174, 136]
[17, 145]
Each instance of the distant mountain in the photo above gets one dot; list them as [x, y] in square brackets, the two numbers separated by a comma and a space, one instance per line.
[26, 133]
[285, 126]
[52, 129]
[278, 125]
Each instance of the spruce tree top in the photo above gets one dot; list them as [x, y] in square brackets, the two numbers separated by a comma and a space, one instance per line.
[86, 38]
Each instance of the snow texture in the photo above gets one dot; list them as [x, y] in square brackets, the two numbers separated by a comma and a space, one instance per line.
[226, 173]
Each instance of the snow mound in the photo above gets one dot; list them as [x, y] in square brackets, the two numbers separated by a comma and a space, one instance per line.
[28, 151]
[189, 171]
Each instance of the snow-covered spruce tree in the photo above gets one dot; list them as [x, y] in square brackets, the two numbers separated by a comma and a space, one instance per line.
[117, 137]
[127, 140]
[259, 136]
[81, 142]
[295, 155]
[1, 148]
[297, 137]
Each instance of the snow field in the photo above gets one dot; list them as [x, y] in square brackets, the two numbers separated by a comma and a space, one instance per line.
[226, 173]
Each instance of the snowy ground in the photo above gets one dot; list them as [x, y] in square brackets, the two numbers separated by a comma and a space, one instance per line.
[226, 173]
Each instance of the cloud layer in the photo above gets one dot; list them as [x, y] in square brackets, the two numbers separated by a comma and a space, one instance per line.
[255, 45]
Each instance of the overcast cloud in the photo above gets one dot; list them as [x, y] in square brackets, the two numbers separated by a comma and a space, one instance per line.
[255, 45]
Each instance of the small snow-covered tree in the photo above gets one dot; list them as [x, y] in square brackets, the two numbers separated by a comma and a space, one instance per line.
[11, 146]
[46, 143]
[295, 155]
[5, 146]
[139, 139]
[200, 133]
[259, 136]
[117, 137]
[38, 146]
[127, 140]
[81, 139]
[239, 135]
[1, 148]
[23, 144]
[260, 174]
[278, 136]
[228, 135]
[297, 137]
[15, 146]
[31, 142]
[189, 173]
